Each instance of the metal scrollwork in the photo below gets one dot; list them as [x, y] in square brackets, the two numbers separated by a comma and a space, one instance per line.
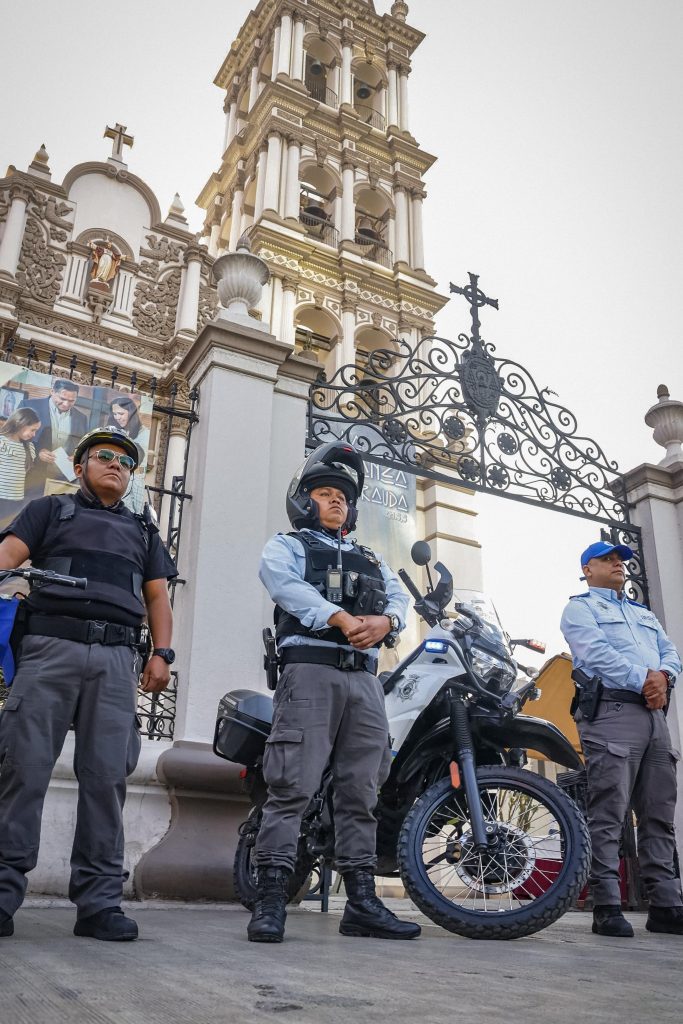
[456, 411]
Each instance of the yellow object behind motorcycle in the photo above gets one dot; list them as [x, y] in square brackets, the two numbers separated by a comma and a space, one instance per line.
[557, 689]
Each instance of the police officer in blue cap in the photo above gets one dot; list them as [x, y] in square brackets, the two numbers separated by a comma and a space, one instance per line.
[626, 667]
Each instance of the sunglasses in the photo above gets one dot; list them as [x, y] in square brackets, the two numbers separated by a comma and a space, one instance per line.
[107, 455]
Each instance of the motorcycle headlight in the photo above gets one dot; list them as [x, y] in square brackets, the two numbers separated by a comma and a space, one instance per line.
[496, 673]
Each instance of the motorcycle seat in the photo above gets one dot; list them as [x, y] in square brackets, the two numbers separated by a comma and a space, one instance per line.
[390, 678]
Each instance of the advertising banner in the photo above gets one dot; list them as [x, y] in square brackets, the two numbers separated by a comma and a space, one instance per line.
[42, 418]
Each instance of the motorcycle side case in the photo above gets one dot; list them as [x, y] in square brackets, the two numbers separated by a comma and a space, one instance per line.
[243, 726]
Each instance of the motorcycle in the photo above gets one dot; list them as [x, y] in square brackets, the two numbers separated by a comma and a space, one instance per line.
[483, 847]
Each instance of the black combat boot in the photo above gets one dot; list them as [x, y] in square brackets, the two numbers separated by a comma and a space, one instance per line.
[609, 920]
[272, 890]
[6, 925]
[365, 914]
[110, 925]
[662, 919]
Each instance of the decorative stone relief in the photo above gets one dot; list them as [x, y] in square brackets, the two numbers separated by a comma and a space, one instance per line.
[155, 305]
[208, 304]
[41, 266]
[88, 332]
[157, 290]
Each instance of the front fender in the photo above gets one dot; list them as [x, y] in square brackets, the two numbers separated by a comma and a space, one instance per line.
[532, 734]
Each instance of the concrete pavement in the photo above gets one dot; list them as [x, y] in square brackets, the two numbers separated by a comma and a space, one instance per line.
[193, 965]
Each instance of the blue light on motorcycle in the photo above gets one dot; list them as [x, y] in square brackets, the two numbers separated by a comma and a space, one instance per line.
[436, 646]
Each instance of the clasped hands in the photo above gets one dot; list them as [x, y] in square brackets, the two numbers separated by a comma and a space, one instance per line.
[362, 631]
[655, 689]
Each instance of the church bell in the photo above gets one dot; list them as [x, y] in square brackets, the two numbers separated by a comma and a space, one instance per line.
[363, 91]
[316, 68]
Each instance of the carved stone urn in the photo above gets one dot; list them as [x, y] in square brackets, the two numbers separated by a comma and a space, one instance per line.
[240, 277]
[667, 419]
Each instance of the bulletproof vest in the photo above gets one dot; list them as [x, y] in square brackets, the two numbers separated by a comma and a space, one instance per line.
[109, 548]
[319, 558]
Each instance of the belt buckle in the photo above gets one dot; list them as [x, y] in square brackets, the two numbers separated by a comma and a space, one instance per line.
[347, 660]
[96, 631]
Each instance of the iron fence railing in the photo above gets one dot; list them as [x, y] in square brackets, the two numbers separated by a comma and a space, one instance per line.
[375, 250]
[318, 90]
[371, 116]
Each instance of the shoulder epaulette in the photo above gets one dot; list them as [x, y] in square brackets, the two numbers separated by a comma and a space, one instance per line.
[638, 604]
[574, 597]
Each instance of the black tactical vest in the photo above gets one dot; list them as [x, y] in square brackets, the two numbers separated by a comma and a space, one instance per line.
[109, 548]
[319, 558]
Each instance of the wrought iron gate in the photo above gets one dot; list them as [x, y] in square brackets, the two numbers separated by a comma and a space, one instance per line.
[454, 411]
[173, 408]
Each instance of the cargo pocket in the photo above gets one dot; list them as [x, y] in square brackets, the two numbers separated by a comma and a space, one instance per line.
[134, 746]
[7, 722]
[282, 759]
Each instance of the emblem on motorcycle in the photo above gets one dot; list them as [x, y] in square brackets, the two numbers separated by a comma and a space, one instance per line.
[407, 688]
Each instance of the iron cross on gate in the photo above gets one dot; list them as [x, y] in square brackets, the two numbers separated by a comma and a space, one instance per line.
[476, 298]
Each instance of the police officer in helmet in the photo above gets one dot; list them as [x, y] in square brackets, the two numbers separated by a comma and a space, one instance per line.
[329, 705]
[78, 662]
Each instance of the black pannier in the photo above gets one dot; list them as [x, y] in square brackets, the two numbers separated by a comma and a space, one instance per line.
[243, 726]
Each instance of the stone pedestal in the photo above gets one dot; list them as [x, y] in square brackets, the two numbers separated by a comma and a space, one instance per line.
[656, 495]
[245, 448]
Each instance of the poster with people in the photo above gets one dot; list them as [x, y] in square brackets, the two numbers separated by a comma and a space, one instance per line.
[43, 417]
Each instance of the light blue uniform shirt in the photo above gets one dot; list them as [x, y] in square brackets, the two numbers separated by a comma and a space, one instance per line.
[616, 639]
[282, 571]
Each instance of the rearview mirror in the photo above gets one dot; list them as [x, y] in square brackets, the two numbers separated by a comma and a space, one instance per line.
[421, 553]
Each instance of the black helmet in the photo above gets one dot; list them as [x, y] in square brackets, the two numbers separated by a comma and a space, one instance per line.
[335, 464]
[108, 435]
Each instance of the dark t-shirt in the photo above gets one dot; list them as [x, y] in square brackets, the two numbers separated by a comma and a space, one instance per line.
[146, 549]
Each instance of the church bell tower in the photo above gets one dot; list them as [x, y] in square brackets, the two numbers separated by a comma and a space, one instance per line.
[319, 166]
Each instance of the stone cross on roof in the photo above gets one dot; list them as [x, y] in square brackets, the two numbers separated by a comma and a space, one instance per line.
[120, 139]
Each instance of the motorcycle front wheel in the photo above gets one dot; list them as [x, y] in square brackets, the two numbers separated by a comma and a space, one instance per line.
[244, 872]
[524, 882]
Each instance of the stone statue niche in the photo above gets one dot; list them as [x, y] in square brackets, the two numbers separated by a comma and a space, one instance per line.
[105, 262]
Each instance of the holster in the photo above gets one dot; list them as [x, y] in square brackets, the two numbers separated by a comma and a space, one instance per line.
[270, 659]
[587, 695]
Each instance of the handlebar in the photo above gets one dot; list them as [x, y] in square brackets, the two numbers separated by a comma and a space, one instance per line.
[409, 585]
[45, 576]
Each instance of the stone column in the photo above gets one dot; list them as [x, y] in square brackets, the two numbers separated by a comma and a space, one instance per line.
[188, 307]
[276, 303]
[214, 236]
[10, 247]
[236, 218]
[272, 190]
[298, 55]
[392, 107]
[347, 53]
[347, 350]
[232, 119]
[276, 52]
[655, 494]
[418, 254]
[403, 99]
[260, 181]
[253, 86]
[401, 201]
[175, 460]
[293, 187]
[284, 53]
[348, 206]
[287, 331]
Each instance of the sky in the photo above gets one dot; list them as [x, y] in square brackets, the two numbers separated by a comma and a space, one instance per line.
[557, 127]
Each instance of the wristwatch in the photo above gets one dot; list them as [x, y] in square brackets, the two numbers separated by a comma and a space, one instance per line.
[395, 623]
[670, 679]
[167, 653]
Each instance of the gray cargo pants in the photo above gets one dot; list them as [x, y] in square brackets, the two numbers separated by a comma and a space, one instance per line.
[325, 715]
[629, 758]
[59, 682]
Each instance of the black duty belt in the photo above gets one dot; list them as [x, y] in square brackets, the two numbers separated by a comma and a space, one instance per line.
[624, 696]
[348, 661]
[84, 631]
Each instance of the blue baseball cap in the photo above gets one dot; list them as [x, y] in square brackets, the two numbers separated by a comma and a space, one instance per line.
[601, 548]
